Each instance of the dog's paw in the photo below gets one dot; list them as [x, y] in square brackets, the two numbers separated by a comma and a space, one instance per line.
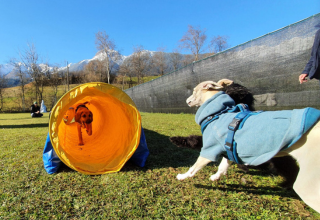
[215, 177]
[181, 176]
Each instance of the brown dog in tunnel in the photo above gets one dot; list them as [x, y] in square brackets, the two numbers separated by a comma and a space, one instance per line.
[82, 116]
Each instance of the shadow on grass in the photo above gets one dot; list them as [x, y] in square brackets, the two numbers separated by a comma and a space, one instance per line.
[163, 154]
[258, 172]
[65, 169]
[25, 126]
[261, 190]
[13, 119]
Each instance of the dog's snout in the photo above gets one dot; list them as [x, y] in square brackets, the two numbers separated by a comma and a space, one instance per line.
[189, 101]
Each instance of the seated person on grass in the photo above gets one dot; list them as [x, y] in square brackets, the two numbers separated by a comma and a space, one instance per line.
[35, 110]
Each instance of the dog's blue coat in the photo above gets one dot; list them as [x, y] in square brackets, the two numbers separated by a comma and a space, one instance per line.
[261, 136]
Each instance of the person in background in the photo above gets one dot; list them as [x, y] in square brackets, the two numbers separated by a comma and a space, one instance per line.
[312, 69]
[35, 110]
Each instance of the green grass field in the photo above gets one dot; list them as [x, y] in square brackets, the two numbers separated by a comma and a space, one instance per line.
[152, 192]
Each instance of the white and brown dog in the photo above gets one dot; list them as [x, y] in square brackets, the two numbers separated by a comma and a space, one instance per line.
[303, 144]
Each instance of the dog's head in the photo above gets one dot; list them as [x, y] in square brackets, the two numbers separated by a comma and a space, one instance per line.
[205, 90]
[85, 117]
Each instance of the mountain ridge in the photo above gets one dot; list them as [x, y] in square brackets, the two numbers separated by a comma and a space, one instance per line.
[8, 70]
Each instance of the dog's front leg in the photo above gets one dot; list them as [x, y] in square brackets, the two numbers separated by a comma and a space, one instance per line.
[80, 134]
[201, 162]
[222, 169]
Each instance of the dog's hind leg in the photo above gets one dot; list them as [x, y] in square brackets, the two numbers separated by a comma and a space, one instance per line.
[201, 162]
[222, 169]
[307, 187]
[307, 153]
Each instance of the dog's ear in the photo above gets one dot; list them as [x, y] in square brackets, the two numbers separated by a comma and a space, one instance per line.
[211, 85]
[224, 82]
[90, 113]
[78, 115]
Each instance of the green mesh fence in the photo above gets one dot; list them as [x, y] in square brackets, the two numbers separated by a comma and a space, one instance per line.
[269, 66]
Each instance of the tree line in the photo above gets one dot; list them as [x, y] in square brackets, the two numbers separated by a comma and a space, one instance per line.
[143, 62]
[110, 68]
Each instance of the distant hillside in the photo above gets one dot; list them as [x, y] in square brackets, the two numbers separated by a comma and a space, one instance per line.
[9, 72]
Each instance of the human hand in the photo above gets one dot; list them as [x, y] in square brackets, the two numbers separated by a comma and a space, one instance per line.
[302, 78]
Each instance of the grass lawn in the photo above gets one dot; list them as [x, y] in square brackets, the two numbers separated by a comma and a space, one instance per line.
[152, 192]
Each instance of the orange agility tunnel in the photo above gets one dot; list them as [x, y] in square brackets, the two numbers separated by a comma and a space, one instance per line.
[95, 128]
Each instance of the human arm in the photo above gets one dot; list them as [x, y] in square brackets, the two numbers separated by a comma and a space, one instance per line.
[302, 78]
[35, 109]
[305, 72]
[309, 69]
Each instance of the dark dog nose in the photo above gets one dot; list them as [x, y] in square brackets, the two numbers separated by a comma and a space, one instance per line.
[88, 121]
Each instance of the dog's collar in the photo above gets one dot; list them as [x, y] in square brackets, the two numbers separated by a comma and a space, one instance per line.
[238, 108]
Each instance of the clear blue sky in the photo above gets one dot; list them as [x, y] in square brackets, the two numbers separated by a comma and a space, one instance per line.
[64, 30]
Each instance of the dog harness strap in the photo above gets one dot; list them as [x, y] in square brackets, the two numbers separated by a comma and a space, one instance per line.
[237, 123]
[230, 145]
[240, 108]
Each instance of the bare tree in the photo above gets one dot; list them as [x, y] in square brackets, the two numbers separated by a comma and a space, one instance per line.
[108, 48]
[218, 44]
[140, 62]
[176, 59]
[187, 59]
[30, 59]
[20, 72]
[125, 71]
[159, 61]
[44, 75]
[94, 71]
[3, 85]
[194, 40]
[54, 82]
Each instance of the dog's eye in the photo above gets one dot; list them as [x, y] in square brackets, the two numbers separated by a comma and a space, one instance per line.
[84, 116]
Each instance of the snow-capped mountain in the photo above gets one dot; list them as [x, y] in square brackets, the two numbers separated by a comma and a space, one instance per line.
[5, 69]
[9, 71]
[74, 67]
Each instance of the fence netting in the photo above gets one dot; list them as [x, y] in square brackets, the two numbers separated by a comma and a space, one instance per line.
[269, 66]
